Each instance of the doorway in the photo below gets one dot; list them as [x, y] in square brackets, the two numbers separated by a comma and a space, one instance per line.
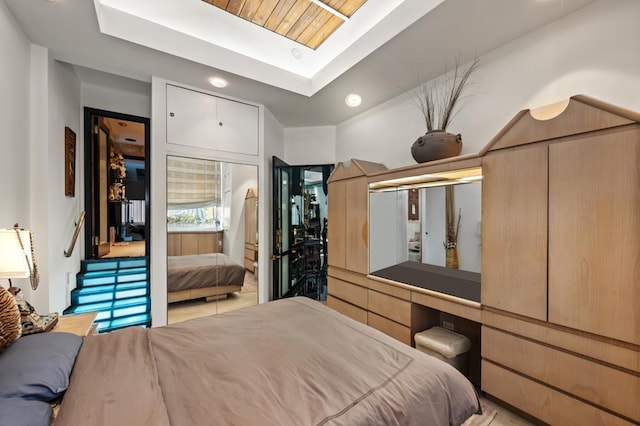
[300, 222]
[116, 185]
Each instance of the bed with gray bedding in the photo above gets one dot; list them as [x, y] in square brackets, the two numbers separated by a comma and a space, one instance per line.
[288, 362]
[202, 275]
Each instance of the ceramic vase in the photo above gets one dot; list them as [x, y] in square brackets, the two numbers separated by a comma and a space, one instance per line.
[436, 145]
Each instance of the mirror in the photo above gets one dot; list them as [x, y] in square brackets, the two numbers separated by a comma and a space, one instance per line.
[208, 230]
[416, 231]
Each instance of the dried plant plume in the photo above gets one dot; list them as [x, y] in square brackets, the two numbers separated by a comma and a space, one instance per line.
[438, 100]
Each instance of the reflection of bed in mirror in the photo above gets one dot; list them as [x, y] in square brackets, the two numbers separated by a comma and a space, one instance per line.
[202, 276]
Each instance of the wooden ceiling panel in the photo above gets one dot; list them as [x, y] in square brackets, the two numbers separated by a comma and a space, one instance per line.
[298, 20]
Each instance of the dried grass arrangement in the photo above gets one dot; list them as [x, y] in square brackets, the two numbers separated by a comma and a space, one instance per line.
[438, 101]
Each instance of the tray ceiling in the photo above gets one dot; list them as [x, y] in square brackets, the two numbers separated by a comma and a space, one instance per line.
[299, 20]
[215, 36]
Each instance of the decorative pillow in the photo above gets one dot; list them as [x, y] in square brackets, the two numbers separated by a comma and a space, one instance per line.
[22, 412]
[10, 328]
[38, 366]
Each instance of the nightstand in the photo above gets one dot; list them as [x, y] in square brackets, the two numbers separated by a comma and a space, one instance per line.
[80, 324]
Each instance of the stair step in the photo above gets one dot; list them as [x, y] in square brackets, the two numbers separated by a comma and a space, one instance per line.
[129, 321]
[103, 293]
[112, 277]
[108, 306]
[115, 263]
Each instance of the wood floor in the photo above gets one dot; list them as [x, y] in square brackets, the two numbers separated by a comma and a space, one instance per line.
[188, 309]
[503, 416]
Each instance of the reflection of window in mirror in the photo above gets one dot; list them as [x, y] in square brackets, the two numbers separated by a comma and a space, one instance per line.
[196, 206]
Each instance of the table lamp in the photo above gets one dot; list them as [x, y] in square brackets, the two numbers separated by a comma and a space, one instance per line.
[16, 256]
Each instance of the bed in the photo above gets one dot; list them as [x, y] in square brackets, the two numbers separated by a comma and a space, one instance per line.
[289, 362]
[210, 275]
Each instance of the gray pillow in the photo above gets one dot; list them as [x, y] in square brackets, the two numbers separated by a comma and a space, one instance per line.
[38, 366]
[22, 412]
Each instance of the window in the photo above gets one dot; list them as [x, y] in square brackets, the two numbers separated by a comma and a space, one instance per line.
[194, 201]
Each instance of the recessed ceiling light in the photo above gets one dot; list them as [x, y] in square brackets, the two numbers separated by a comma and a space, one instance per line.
[296, 53]
[218, 82]
[353, 100]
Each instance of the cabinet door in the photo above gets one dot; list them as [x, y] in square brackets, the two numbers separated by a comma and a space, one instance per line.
[191, 118]
[514, 231]
[337, 206]
[594, 234]
[237, 127]
[357, 225]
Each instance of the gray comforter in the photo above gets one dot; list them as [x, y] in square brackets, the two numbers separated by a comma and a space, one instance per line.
[290, 362]
[202, 270]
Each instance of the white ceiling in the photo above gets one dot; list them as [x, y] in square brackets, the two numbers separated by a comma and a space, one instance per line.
[313, 96]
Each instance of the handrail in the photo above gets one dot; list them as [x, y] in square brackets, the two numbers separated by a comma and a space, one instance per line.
[67, 253]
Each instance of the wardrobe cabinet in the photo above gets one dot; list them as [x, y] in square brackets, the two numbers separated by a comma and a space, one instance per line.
[348, 238]
[594, 234]
[561, 265]
[205, 121]
[251, 229]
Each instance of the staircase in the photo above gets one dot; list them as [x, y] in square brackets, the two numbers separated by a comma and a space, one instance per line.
[117, 289]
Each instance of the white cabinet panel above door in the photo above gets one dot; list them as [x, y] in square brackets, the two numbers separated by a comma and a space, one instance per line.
[237, 127]
[191, 118]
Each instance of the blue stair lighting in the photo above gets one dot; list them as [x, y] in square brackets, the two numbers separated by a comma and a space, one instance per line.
[117, 289]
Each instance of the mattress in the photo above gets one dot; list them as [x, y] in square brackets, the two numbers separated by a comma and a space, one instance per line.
[202, 270]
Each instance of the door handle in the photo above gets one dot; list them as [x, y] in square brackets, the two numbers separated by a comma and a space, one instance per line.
[276, 257]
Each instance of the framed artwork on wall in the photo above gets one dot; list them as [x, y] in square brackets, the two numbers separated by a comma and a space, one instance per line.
[414, 201]
[69, 162]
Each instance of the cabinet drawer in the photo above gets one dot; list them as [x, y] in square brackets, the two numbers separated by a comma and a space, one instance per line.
[544, 403]
[390, 328]
[347, 309]
[248, 264]
[607, 387]
[348, 292]
[391, 290]
[390, 307]
[250, 254]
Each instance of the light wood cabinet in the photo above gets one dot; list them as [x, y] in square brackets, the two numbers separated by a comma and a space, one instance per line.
[202, 120]
[561, 331]
[594, 230]
[514, 231]
[348, 237]
[187, 243]
[251, 229]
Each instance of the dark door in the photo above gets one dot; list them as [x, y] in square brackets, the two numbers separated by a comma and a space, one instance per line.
[110, 218]
[281, 227]
[299, 218]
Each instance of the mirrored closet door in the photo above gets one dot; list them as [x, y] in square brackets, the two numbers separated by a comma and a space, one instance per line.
[211, 221]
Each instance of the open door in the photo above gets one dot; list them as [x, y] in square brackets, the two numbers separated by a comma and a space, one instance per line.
[299, 229]
[281, 228]
[116, 188]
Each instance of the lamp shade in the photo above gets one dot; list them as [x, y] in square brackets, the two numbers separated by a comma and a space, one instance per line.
[15, 261]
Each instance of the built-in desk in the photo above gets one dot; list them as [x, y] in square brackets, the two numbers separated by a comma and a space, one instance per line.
[402, 310]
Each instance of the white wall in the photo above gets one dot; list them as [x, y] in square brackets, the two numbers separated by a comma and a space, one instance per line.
[243, 177]
[592, 51]
[129, 97]
[310, 145]
[14, 122]
[55, 104]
